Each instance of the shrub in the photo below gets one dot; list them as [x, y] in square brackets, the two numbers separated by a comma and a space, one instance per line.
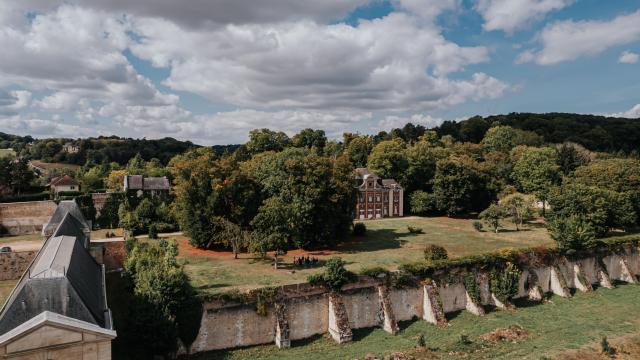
[421, 342]
[435, 252]
[572, 233]
[477, 225]
[606, 348]
[153, 232]
[374, 271]
[492, 216]
[359, 229]
[504, 283]
[335, 275]
[414, 230]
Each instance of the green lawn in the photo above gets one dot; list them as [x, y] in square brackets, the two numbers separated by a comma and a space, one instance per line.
[387, 243]
[7, 152]
[5, 289]
[554, 327]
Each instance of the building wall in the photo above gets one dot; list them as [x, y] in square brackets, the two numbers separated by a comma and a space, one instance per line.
[308, 312]
[14, 264]
[61, 188]
[52, 343]
[377, 202]
[26, 217]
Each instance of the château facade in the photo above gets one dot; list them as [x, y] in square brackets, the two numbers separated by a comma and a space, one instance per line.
[378, 197]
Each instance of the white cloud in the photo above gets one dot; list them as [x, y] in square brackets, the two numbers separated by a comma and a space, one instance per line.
[393, 63]
[633, 113]
[513, 15]
[38, 127]
[628, 57]
[428, 9]
[569, 40]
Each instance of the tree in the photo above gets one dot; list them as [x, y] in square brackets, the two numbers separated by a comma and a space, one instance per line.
[536, 172]
[165, 303]
[309, 199]
[261, 140]
[518, 207]
[423, 202]
[473, 129]
[602, 209]
[388, 160]
[459, 186]
[421, 164]
[91, 179]
[231, 235]
[358, 149]
[108, 217]
[492, 216]
[500, 138]
[311, 139]
[572, 233]
[335, 275]
[570, 156]
[21, 176]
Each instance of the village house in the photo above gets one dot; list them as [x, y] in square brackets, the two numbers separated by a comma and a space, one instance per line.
[140, 185]
[63, 183]
[378, 197]
[70, 148]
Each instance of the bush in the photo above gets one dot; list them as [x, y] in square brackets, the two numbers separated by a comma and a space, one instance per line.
[334, 276]
[504, 283]
[606, 348]
[374, 271]
[492, 216]
[414, 230]
[153, 232]
[435, 252]
[572, 233]
[421, 342]
[477, 225]
[423, 203]
[26, 197]
[359, 229]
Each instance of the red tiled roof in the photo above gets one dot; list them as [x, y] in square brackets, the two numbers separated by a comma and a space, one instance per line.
[63, 181]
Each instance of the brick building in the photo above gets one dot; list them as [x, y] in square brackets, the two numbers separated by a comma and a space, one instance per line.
[378, 197]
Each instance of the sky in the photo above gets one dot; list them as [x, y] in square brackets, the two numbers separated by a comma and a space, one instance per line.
[210, 71]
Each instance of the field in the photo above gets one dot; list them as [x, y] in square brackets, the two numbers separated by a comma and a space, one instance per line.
[5, 289]
[387, 243]
[49, 166]
[554, 329]
[7, 152]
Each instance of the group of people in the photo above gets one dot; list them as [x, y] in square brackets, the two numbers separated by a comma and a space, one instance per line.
[305, 261]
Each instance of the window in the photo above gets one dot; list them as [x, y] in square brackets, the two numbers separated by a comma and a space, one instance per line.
[72, 187]
[370, 198]
[377, 197]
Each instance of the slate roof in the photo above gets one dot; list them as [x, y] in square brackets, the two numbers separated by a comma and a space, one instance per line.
[64, 208]
[64, 279]
[139, 182]
[364, 173]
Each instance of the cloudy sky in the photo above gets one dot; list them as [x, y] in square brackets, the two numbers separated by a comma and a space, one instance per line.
[211, 70]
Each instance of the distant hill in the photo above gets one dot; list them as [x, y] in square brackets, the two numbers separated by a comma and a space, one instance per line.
[99, 149]
[598, 133]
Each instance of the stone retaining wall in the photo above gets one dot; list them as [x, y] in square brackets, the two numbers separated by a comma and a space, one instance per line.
[26, 217]
[14, 264]
[306, 310]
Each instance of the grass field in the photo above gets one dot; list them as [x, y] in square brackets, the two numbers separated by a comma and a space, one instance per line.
[5, 289]
[387, 243]
[7, 152]
[553, 329]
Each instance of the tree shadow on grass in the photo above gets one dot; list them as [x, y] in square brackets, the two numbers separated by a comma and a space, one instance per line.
[379, 239]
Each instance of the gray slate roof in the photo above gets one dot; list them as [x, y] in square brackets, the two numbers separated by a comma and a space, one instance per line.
[64, 279]
[65, 207]
[139, 182]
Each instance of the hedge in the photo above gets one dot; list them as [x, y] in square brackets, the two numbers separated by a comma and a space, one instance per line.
[26, 197]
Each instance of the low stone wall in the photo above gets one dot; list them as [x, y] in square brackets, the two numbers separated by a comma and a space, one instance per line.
[304, 310]
[26, 217]
[14, 264]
